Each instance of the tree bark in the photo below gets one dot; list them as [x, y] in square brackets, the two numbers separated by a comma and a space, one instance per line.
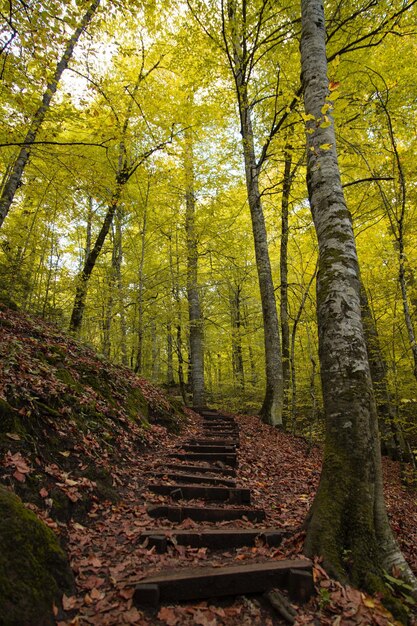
[139, 353]
[14, 178]
[236, 323]
[283, 264]
[194, 307]
[271, 411]
[347, 524]
[392, 441]
[90, 261]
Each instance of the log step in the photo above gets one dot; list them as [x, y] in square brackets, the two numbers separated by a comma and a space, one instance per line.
[220, 433]
[195, 478]
[226, 539]
[205, 514]
[226, 471]
[192, 447]
[211, 582]
[214, 441]
[225, 427]
[213, 424]
[218, 419]
[227, 459]
[204, 412]
[211, 494]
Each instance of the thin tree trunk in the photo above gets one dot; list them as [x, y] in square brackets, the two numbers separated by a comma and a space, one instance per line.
[392, 441]
[272, 407]
[285, 327]
[139, 354]
[109, 305]
[194, 307]
[348, 515]
[14, 178]
[118, 260]
[90, 261]
[236, 323]
[170, 364]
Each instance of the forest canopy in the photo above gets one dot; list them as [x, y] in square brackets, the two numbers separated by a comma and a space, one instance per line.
[130, 220]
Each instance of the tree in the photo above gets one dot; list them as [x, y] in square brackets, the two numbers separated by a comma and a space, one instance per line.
[347, 524]
[14, 176]
[194, 306]
[243, 51]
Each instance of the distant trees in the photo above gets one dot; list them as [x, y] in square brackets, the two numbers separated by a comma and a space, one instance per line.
[115, 216]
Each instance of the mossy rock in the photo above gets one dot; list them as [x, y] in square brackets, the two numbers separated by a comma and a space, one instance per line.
[34, 570]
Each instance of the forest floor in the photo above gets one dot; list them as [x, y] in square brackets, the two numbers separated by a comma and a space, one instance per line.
[108, 556]
[79, 441]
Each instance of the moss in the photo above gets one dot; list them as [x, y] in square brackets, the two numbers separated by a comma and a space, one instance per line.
[136, 405]
[67, 378]
[376, 584]
[9, 419]
[34, 571]
[104, 482]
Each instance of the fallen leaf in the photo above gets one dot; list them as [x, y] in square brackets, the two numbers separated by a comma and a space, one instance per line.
[69, 602]
[13, 436]
[168, 616]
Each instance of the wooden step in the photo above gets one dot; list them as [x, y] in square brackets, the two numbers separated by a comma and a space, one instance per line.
[195, 478]
[220, 424]
[214, 441]
[218, 418]
[192, 447]
[225, 427]
[211, 582]
[205, 412]
[226, 471]
[220, 433]
[233, 495]
[208, 457]
[226, 539]
[205, 514]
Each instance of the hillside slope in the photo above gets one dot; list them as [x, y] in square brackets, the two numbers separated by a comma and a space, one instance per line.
[71, 426]
[68, 418]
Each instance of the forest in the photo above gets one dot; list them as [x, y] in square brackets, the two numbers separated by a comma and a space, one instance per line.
[219, 197]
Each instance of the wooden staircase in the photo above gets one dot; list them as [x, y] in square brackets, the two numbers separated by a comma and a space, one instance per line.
[205, 469]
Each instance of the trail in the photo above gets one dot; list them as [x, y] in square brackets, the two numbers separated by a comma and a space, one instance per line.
[263, 478]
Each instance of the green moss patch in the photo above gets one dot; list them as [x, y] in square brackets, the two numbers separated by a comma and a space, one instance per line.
[34, 571]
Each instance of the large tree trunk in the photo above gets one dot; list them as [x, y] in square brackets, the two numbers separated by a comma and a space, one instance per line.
[194, 307]
[347, 524]
[14, 177]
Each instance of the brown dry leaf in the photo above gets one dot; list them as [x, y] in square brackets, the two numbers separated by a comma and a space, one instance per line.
[204, 619]
[13, 436]
[126, 594]
[131, 616]
[69, 602]
[19, 476]
[168, 616]
[95, 594]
